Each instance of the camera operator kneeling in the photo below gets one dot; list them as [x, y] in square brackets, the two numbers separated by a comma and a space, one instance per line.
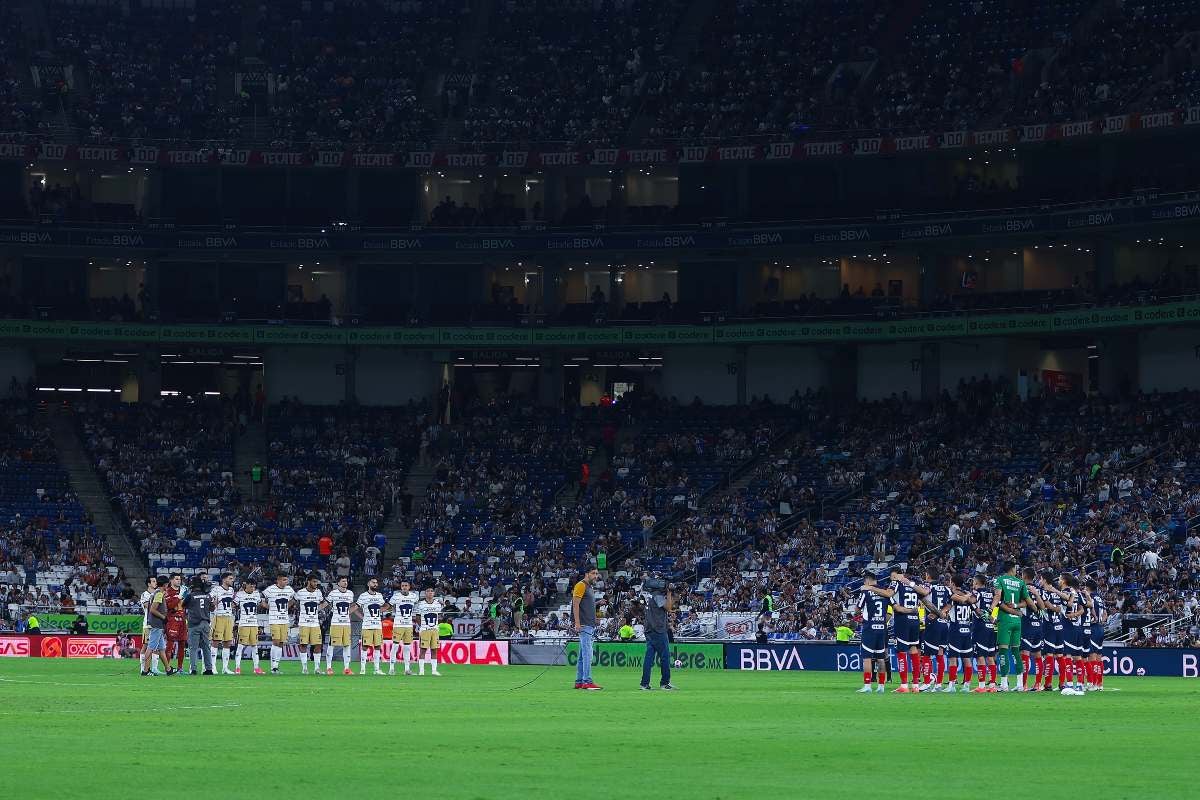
[658, 600]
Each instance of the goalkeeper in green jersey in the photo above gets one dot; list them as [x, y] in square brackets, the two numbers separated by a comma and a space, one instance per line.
[1013, 594]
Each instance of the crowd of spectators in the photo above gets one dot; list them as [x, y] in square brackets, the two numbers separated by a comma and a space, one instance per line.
[567, 72]
[353, 72]
[769, 67]
[151, 73]
[18, 114]
[1101, 486]
[582, 72]
[1129, 58]
[51, 557]
[332, 477]
[521, 496]
[960, 62]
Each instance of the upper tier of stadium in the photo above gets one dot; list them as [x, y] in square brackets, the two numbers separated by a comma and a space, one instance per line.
[581, 73]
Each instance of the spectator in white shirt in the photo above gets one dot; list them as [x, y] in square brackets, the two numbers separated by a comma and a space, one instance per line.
[1150, 559]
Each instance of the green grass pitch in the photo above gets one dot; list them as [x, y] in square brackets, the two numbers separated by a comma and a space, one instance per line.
[95, 729]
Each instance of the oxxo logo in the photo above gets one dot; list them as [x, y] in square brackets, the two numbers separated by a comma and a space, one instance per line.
[89, 648]
[51, 648]
[14, 647]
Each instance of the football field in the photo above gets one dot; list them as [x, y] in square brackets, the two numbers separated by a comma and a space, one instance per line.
[97, 729]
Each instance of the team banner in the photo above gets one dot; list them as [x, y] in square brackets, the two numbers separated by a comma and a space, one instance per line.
[97, 623]
[396, 158]
[632, 654]
[1081, 321]
[1132, 661]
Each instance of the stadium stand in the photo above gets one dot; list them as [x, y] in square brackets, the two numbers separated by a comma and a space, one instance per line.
[51, 557]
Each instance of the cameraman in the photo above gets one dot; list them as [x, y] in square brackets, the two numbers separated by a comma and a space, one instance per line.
[658, 599]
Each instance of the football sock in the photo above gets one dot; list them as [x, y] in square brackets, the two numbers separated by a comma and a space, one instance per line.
[902, 664]
[276, 653]
[941, 668]
[868, 676]
[376, 652]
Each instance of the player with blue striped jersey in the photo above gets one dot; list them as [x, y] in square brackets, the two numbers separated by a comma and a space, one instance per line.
[937, 627]
[1070, 663]
[961, 645]
[987, 601]
[1053, 631]
[906, 625]
[872, 604]
[1094, 619]
[1031, 633]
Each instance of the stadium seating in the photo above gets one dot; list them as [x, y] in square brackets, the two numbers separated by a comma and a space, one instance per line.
[595, 72]
[567, 72]
[51, 558]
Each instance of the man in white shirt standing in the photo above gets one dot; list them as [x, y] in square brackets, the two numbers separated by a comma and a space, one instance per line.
[429, 609]
[222, 624]
[370, 607]
[279, 598]
[340, 600]
[151, 586]
[310, 600]
[403, 604]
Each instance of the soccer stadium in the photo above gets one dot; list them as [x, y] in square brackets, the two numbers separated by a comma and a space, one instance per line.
[585, 398]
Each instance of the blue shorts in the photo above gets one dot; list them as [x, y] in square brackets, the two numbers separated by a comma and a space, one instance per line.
[985, 640]
[1052, 637]
[962, 641]
[907, 629]
[1093, 638]
[1031, 635]
[1072, 639]
[156, 640]
[873, 642]
[936, 636]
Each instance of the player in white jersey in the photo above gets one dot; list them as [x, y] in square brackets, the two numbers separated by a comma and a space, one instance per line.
[340, 600]
[151, 587]
[310, 600]
[247, 602]
[429, 609]
[403, 605]
[279, 598]
[370, 608]
[222, 621]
